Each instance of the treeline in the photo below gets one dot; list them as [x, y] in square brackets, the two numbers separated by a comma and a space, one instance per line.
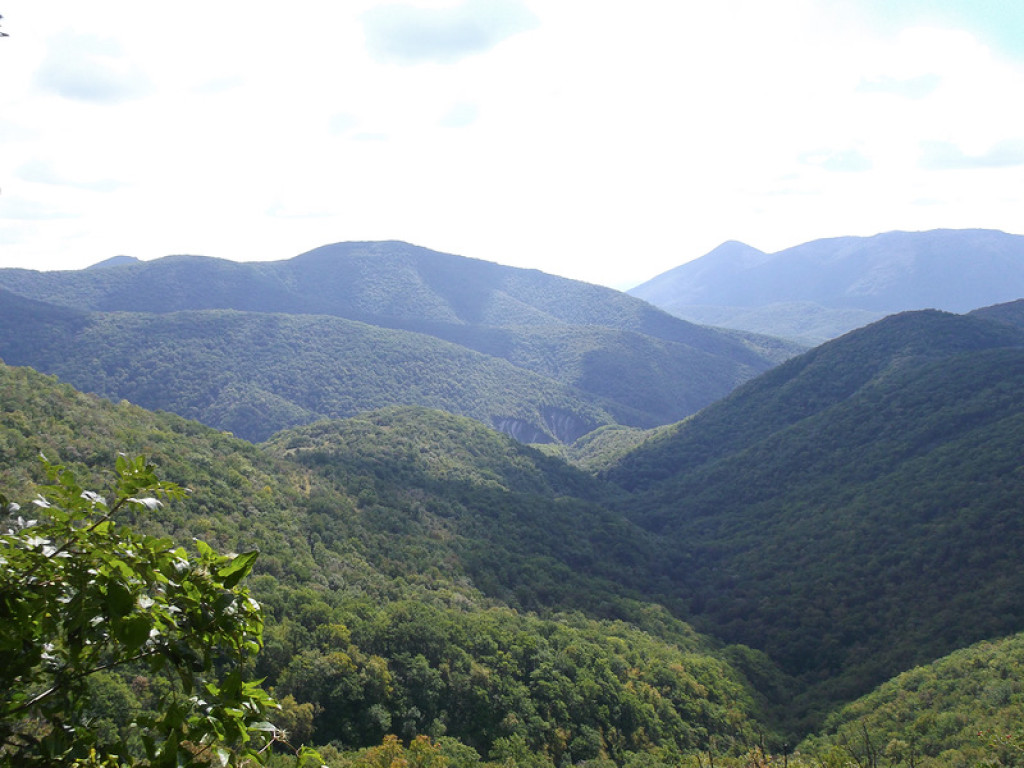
[963, 709]
[255, 374]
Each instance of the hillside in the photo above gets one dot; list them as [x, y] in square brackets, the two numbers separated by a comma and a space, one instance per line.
[540, 357]
[526, 527]
[254, 373]
[963, 709]
[1011, 313]
[821, 289]
[372, 581]
[855, 511]
[851, 513]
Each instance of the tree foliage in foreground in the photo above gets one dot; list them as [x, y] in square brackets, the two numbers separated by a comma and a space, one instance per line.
[82, 595]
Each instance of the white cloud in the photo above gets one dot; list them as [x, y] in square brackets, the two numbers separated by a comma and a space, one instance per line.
[408, 33]
[91, 69]
[916, 87]
[604, 141]
[844, 160]
[20, 208]
[460, 115]
[42, 172]
[942, 155]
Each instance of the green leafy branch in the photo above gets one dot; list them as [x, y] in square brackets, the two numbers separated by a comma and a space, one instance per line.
[82, 593]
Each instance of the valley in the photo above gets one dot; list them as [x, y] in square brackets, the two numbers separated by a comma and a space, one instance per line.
[543, 523]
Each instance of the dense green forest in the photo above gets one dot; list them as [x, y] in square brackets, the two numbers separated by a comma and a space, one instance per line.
[254, 374]
[255, 348]
[964, 709]
[713, 590]
[854, 511]
[1011, 313]
[376, 593]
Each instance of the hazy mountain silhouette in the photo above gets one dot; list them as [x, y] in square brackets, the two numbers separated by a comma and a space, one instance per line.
[823, 288]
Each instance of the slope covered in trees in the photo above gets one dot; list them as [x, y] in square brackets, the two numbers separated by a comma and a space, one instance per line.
[375, 585]
[525, 527]
[1011, 313]
[254, 374]
[537, 356]
[388, 283]
[856, 510]
[963, 709]
[850, 513]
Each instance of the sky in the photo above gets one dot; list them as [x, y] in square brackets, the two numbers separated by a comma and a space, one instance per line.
[602, 141]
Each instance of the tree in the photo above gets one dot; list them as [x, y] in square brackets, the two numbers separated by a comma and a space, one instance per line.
[81, 593]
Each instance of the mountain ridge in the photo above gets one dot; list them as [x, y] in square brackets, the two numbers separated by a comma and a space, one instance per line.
[791, 502]
[845, 281]
[595, 355]
[844, 516]
[371, 585]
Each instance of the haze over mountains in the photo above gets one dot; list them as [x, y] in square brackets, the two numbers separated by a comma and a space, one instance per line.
[821, 289]
[256, 347]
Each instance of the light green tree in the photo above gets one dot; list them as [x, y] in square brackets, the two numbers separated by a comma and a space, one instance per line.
[83, 593]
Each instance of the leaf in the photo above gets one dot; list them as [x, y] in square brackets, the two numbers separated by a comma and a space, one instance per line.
[83, 593]
[205, 550]
[133, 632]
[221, 756]
[238, 568]
[119, 599]
[94, 498]
[309, 758]
[148, 502]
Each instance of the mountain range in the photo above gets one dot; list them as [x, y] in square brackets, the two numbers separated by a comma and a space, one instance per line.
[824, 288]
[848, 515]
[828, 554]
[257, 347]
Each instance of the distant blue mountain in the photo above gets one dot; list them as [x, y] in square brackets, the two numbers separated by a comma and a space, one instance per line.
[115, 261]
[824, 288]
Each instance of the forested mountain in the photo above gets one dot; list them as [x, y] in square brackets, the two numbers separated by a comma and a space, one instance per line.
[1011, 313]
[381, 539]
[844, 516]
[963, 709]
[430, 474]
[258, 347]
[856, 510]
[256, 373]
[821, 289]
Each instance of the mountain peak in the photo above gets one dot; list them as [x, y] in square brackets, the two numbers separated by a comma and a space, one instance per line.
[823, 288]
[721, 263]
[115, 261]
[733, 249]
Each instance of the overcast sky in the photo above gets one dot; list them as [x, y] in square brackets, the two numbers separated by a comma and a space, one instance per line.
[603, 141]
